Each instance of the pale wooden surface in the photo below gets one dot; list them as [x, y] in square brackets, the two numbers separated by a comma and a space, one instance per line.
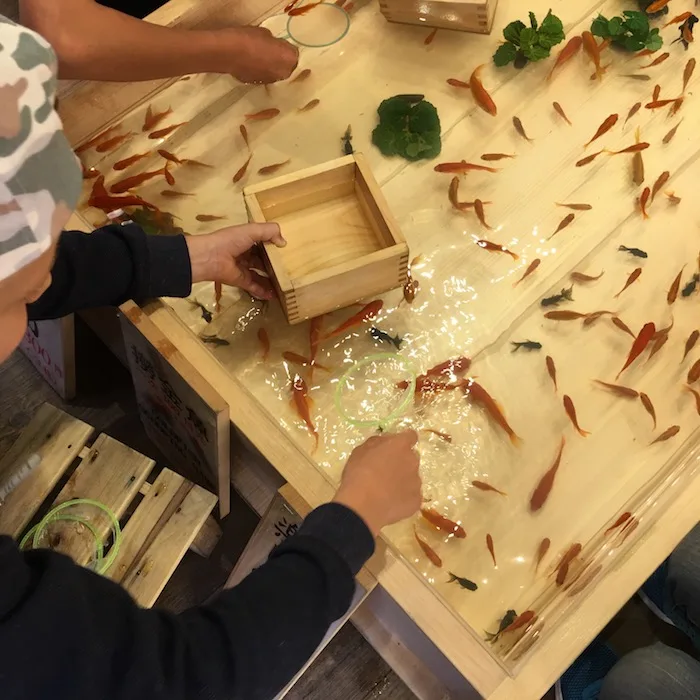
[463, 15]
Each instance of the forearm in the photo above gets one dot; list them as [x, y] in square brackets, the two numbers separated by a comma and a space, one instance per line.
[111, 265]
[97, 43]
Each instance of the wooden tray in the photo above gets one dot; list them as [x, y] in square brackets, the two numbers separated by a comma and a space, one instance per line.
[462, 15]
[467, 306]
[343, 244]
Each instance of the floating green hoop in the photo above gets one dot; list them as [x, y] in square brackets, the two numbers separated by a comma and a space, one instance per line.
[400, 409]
[101, 564]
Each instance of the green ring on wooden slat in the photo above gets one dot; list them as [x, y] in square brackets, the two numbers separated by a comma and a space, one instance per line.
[400, 409]
[102, 563]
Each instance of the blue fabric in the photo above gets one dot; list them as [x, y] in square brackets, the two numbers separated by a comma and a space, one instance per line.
[582, 681]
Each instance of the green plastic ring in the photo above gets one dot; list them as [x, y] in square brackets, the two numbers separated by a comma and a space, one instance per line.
[102, 564]
[401, 408]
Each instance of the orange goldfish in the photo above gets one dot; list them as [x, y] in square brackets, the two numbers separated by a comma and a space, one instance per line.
[428, 550]
[240, 173]
[489, 546]
[263, 115]
[495, 248]
[563, 567]
[124, 164]
[368, 312]
[667, 434]
[618, 389]
[608, 124]
[462, 167]
[541, 552]
[483, 486]
[302, 403]
[648, 406]
[207, 218]
[478, 394]
[544, 487]
[572, 47]
[162, 133]
[264, 339]
[620, 521]
[152, 120]
[429, 39]
[443, 523]
[269, 169]
[482, 97]
[657, 61]
[551, 370]
[560, 111]
[646, 193]
[634, 276]
[590, 46]
[639, 345]
[530, 269]
[571, 412]
[134, 181]
[113, 143]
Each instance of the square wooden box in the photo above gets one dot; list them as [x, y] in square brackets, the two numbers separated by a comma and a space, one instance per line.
[462, 15]
[343, 244]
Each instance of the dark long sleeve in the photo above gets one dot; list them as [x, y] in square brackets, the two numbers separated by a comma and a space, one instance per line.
[110, 266]
[66, 630]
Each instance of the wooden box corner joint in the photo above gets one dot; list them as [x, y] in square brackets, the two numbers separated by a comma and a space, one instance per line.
[343, 244]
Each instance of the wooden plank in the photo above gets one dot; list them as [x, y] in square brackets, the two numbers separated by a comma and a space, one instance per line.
[159, 534]
[207, 538]
[182, 414]
[112, 474]
[57, 438]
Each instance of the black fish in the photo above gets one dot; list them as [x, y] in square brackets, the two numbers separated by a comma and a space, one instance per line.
[686, 31]
[564, 295]
[507, 620]
[206, 314]
[213, 340]
[384, 337]
[527, 345]
[463, 582]
[633, 251]
[348, 150]
[690, 287]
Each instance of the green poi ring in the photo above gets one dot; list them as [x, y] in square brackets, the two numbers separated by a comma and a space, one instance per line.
[400, 409]
[55, 514]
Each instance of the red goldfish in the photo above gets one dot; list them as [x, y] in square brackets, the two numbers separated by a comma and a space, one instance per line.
[367, 313]
[478, 394]
[443, 523]
[639, 345]
[482, 97]
[302, 403]
[544, 487]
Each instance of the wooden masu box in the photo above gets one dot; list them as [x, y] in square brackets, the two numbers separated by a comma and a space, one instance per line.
[343, 244]
[462, 15]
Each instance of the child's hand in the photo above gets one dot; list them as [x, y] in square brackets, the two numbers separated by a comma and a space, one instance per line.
[381, 482]
[226, 257]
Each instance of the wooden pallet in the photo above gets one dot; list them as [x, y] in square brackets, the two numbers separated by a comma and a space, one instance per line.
[171, 515]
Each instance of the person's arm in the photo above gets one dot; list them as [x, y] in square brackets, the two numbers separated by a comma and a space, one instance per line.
[120, 262]
[94, 642]
[97, 43]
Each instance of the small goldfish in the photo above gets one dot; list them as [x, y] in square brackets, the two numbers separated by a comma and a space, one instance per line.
[162, 133]
[675, 286]
[244, 134]
[673, 199]
[496, 156]
[495, 248]
[428, 551]
[445, 437]
[134, 181]
[207, 218]
[560, 111]
[482, 97]
[551, 370]
[656, 6]
[634, 148]
[588, 159]
[302, 361]
[657, 92]
[526, 618]
[521, 129]
[648, 406]
[270, 113]
[573, 46]
[302, 403]
[240, 173]
[637, 76]
[462, 167]
[505, 622]
[113, 143]
[667, 434]
[264, 338]
[541, 552]
[619, 323]
[643, 200]
[269, 169]
[477, 393]
[442, 523]
[301, 76]
[657, 61]
[658, 104]
[195, 163]
[575, 207]
[634, 276]
[368, 312]
[639, 345]
[172, 158]
[429, 39]
[410, 289]
[544, 487]
[633, 110]
[696, 395]
[530, 269]
[660, 182]
[638, 163]
[624, 391]
[688, 73]
[568, 219]
[97, 139]
[124, 164]
[169, 178]
[310, 105]
[608, 124]
[490, 547]
[620, 521]
[590, 46]
[151, 120]
[669, 136]
[564, 315]
[526, 345]
[595, 315]
[571, 412]
[678, 19]
[218, 291]
[479, 209]
[563, 568]
[483, 486]
[690, 343]
[581, 277]
[174, 194]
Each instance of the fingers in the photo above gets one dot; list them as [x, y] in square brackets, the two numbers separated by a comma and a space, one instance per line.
[262, 233]
[254, 284]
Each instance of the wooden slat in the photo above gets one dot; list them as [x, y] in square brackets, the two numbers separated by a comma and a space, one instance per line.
[158, 534]
[57, 438]
[112, 474]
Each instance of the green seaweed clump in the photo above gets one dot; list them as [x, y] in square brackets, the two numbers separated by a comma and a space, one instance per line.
[409, 127]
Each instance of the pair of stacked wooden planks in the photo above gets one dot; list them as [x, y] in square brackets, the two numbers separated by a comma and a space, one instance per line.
[173, 513]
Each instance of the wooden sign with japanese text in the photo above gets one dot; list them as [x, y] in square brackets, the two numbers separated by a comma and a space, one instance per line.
[186, 419]
[50, 347]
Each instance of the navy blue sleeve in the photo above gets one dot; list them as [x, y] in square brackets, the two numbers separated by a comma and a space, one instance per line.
[110, 266]
[93, 641]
